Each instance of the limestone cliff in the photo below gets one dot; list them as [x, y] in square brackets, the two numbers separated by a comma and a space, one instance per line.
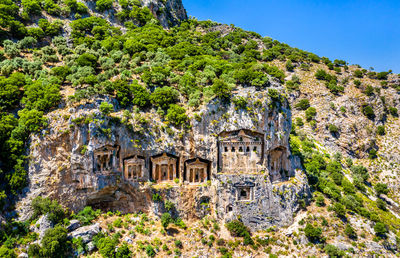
[169, 13]
[116, 162]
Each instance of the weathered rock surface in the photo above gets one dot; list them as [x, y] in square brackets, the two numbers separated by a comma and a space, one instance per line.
[169, 12]
[86, 233]
[73, 224]
[255, 179]
[42, 225]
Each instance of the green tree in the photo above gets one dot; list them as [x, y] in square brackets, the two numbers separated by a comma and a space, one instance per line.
[106, 108]
[87, 59]
[41, 96]
[221, 89]
[42, 206]
[380, 229]
[102, 5]
[350, 232]
[177, 115]
[314, 234]
[381, 188]
[368, 111]
[380, 130]
[303, 104]
[165, 96]
[166, 219]
[55, 243]
[311, 112]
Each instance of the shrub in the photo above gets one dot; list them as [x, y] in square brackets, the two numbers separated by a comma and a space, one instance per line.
[102, 5]
[369, 90]
[333, 129]
[382, 75]
[381, 188]
[320, 74]
[333, 251]
[299, 121]
[381, 204]
[42, 206]
[6, 252]
[123, 251]
[240, 103]
[380, 229]
[163, 97]
[178, 243]
[358, 74]
[176, 115]
[141, 96]
[87, 59]
[320, 201]
[106, 246]
[289, 66]
[55, 243]
[150, 251]
[314, 234]
[221, 89]
[166, 219]
[339, 209]
[357, 83]
[303, 104]
[373, 154]
[87, 215]
[41, 96]
[311, 112]
[360, 171]
[350, 232]
[169, 205]
[368, 111]
[238, 229]
[393, 111]
[156, 197]
[106, 108]
[380, 130]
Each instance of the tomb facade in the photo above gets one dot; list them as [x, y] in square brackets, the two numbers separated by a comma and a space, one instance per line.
[164, 167]
[135, 169]
[106, 159]
[240, 152]
[244, 191]
[196, 171]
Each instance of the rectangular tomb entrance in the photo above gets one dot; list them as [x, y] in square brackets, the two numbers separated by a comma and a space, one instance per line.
[244, 191]
[164, 167]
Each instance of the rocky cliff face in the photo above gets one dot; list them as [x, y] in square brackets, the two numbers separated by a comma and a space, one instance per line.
[119, 162]
[169, 13]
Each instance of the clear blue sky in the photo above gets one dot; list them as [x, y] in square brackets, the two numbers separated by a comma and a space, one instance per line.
[359, 31]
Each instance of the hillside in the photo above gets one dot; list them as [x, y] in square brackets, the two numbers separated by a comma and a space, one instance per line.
[129, 130]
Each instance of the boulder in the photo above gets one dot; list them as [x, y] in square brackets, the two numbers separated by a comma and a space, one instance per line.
[86, 233]
[73, 224]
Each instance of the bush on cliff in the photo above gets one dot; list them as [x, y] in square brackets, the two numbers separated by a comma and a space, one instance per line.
[314, 234]
[55, 243]
[43, 206]
[238, 229]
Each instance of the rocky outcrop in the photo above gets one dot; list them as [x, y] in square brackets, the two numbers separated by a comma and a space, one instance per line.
[41, 226]
[86, 233]
[169, 12]
[231, 163]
